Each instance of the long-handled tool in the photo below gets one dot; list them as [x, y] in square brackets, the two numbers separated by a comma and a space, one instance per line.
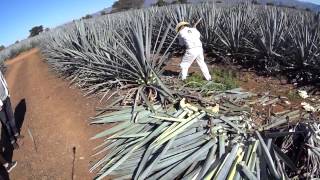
[197, 22]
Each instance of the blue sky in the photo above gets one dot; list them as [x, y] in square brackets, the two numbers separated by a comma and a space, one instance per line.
[19, 16]
[313, 1]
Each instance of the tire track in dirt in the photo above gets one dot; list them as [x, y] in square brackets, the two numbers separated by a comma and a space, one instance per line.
[57, 117]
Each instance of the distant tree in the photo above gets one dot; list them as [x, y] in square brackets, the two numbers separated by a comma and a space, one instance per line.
[88, 16]
[103, 13]
[269, 4]
[255, 2]
[308, 9]
[122, 5]
[35, 30]
[218, 2]
[180, 2]
[47, 29]
[2, 47]
[17, 41]
[161, 3]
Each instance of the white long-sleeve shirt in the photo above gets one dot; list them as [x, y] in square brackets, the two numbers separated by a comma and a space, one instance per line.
[190, 37]
[4, 92]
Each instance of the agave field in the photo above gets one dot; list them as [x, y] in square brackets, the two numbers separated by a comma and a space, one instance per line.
[162, 132]
[19, 47]
[132, 47]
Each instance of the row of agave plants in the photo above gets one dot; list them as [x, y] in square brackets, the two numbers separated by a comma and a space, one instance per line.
[24, 45]
[132, 47]
[122, 56]
[17, 48]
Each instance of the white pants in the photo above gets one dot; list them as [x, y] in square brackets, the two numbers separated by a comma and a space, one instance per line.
[188, 58]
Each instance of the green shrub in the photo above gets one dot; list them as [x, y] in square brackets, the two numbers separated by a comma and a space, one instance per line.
[225, 77]
[195, 80]
[293, 95]
[221, 80]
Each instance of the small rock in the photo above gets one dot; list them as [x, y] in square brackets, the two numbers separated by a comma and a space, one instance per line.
[82, 158]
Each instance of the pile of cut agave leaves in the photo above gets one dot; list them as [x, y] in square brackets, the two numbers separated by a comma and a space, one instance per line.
[215, 142]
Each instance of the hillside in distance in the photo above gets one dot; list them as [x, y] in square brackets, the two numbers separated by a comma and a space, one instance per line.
[296, 3]
[289, 3]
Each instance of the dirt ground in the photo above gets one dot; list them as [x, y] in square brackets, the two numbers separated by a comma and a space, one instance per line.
[252, 82]
[247, 80]
[55, 116]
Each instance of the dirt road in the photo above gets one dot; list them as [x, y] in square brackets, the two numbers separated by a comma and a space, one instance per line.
[55, 116]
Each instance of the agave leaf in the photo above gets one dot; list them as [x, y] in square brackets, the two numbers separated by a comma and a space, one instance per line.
[253, 155]
[222, 149]
[209, 161]
[162, 171]
[123, 177]
[216, 166]
[127, 155]
[173, 125]
[179, 128]
[267, 156]
[131, 136]
[193, 175]
[155, 160]
[146, 156]
[175, 153]
[136, 99]
[109, 156]
[224, 170]
[112, 130]
[246, 171]
[281, 134]
[133, 129]
[121, 117]
[168, 118]
[284, 158]
[233, 172]
[248, 152]
[258, 168]
[186, 162]
[233, 125]
[146, 100]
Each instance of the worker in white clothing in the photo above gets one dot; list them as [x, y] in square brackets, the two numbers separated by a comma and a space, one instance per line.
[190, 38]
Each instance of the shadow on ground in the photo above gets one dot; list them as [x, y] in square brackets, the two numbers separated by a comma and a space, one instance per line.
[19, 113]
[6, 147]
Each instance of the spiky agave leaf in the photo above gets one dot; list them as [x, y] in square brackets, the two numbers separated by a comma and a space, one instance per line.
[270, 35]
[305, 55]
[232, 31]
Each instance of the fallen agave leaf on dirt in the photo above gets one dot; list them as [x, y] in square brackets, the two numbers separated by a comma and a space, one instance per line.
[210, 142]
[303, 94]
[308, 107]
[213, 109]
